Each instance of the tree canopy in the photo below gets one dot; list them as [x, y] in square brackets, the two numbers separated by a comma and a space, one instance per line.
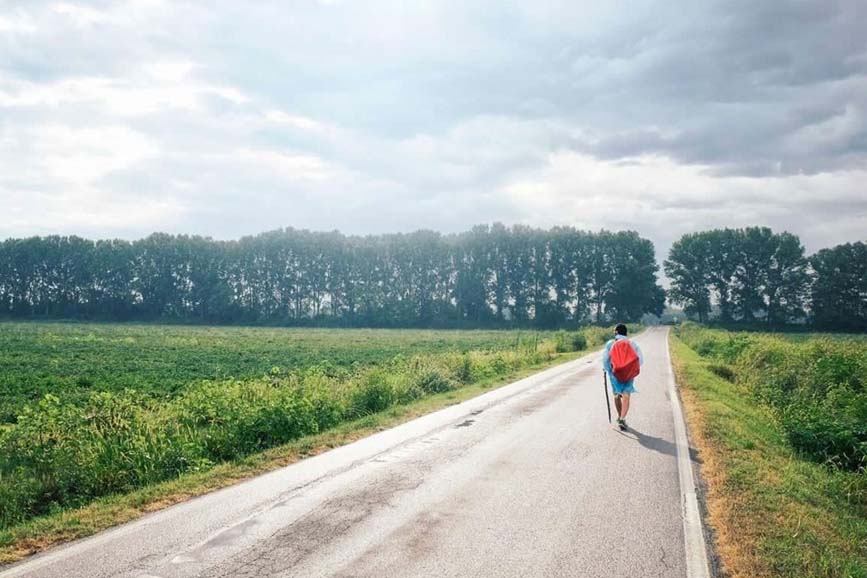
[839, 293]
[488, 276]
[754, 275]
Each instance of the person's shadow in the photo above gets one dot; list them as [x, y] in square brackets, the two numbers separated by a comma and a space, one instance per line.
[652, 443]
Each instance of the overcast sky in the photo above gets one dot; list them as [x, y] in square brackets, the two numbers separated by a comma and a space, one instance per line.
[220, 118]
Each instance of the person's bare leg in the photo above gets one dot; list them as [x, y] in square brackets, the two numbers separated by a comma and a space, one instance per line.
[617, 404]
[625, 404]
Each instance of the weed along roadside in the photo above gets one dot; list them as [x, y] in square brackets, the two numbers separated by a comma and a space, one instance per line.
[786, 486]
[71, 469]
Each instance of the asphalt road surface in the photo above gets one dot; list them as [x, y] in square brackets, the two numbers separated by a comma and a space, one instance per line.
[528, 480]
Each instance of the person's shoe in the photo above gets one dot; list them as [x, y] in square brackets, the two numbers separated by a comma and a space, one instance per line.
[622, 424]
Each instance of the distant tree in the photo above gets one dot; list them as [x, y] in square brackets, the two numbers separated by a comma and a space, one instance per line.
[485, 276]
[787, 281]
[600, 273]
[756, 247]
[839, 293]
[634, 290]
[751, 274]
[689, 268]
[722, 263]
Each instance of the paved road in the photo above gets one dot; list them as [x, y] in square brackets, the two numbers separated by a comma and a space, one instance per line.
[527, 480]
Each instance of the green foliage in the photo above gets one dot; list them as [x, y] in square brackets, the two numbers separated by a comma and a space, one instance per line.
[817, 386]
[723, 371]
[750, 274]
[66, 450]
[71, 360]
[464, 369]
[775, 515]
[579, 342]
[433, 381]
[373, 394]
[561, 342]
[600, 335]
[565, 342]
[490, 276]
[839, 293]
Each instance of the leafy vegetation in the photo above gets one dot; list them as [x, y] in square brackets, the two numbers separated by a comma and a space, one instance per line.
[490, 276]
[160, 361]
[774, 513]
[67, 450]
[839, 295]
[816, 386]
[755, 276]
[752, 272]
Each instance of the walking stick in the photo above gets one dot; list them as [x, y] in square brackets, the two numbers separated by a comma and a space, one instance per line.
[607, 401]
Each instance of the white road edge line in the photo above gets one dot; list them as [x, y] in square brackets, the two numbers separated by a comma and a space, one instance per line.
[693, 534]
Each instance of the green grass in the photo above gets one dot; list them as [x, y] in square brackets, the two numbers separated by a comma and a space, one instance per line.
[817, 386]
[71, 360]
[775, 513]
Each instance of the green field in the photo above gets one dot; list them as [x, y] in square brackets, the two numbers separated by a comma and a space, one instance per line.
[779, 421]
[73, 360]
[94, 410]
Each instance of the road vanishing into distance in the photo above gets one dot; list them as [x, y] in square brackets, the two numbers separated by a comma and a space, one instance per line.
[528, 480]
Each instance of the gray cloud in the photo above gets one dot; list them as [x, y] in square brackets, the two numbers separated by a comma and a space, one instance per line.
[227, 118]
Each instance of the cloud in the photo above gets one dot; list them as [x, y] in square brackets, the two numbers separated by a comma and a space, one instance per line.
[228, 118]
[157, 87]
[664, 199]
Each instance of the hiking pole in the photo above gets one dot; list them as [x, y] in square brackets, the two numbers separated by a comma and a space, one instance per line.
[607, 401]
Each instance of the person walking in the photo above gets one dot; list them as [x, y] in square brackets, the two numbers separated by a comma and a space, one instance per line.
[622, 360]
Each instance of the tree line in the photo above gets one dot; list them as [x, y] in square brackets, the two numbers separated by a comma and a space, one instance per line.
[488, 276]
[755, 276]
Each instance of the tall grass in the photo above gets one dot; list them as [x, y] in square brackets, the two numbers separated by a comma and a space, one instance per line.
[817, 386]
[61, 454]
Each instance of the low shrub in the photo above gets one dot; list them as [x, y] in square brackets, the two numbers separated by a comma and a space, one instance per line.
[561, 342]
[723, 371]
[374, 394]
[464, 371]
[816, 386]
[433, 381]
[598, 335]
[579, 342]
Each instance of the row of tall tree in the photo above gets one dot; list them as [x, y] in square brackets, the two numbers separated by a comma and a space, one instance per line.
[488, 276]
[754, 275]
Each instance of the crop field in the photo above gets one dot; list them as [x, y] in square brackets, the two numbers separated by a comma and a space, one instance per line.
[72, 360]
[92, 410]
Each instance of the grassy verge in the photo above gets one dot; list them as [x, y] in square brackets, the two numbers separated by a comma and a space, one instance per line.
[38, 534]
[775, 514]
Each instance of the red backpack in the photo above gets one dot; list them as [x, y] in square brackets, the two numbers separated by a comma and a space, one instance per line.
[625, 364]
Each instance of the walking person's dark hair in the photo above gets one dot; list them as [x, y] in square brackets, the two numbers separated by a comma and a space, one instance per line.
[620, 329]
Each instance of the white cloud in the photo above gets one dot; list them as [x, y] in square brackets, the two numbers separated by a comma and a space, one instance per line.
[288, 166]
[81, 156]
[81, 15]
[17, 22]
[228, 118]
[155, 87]
[51, 182]
[663, 199]
[295, 121]
[127, 13]
[61, 158]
